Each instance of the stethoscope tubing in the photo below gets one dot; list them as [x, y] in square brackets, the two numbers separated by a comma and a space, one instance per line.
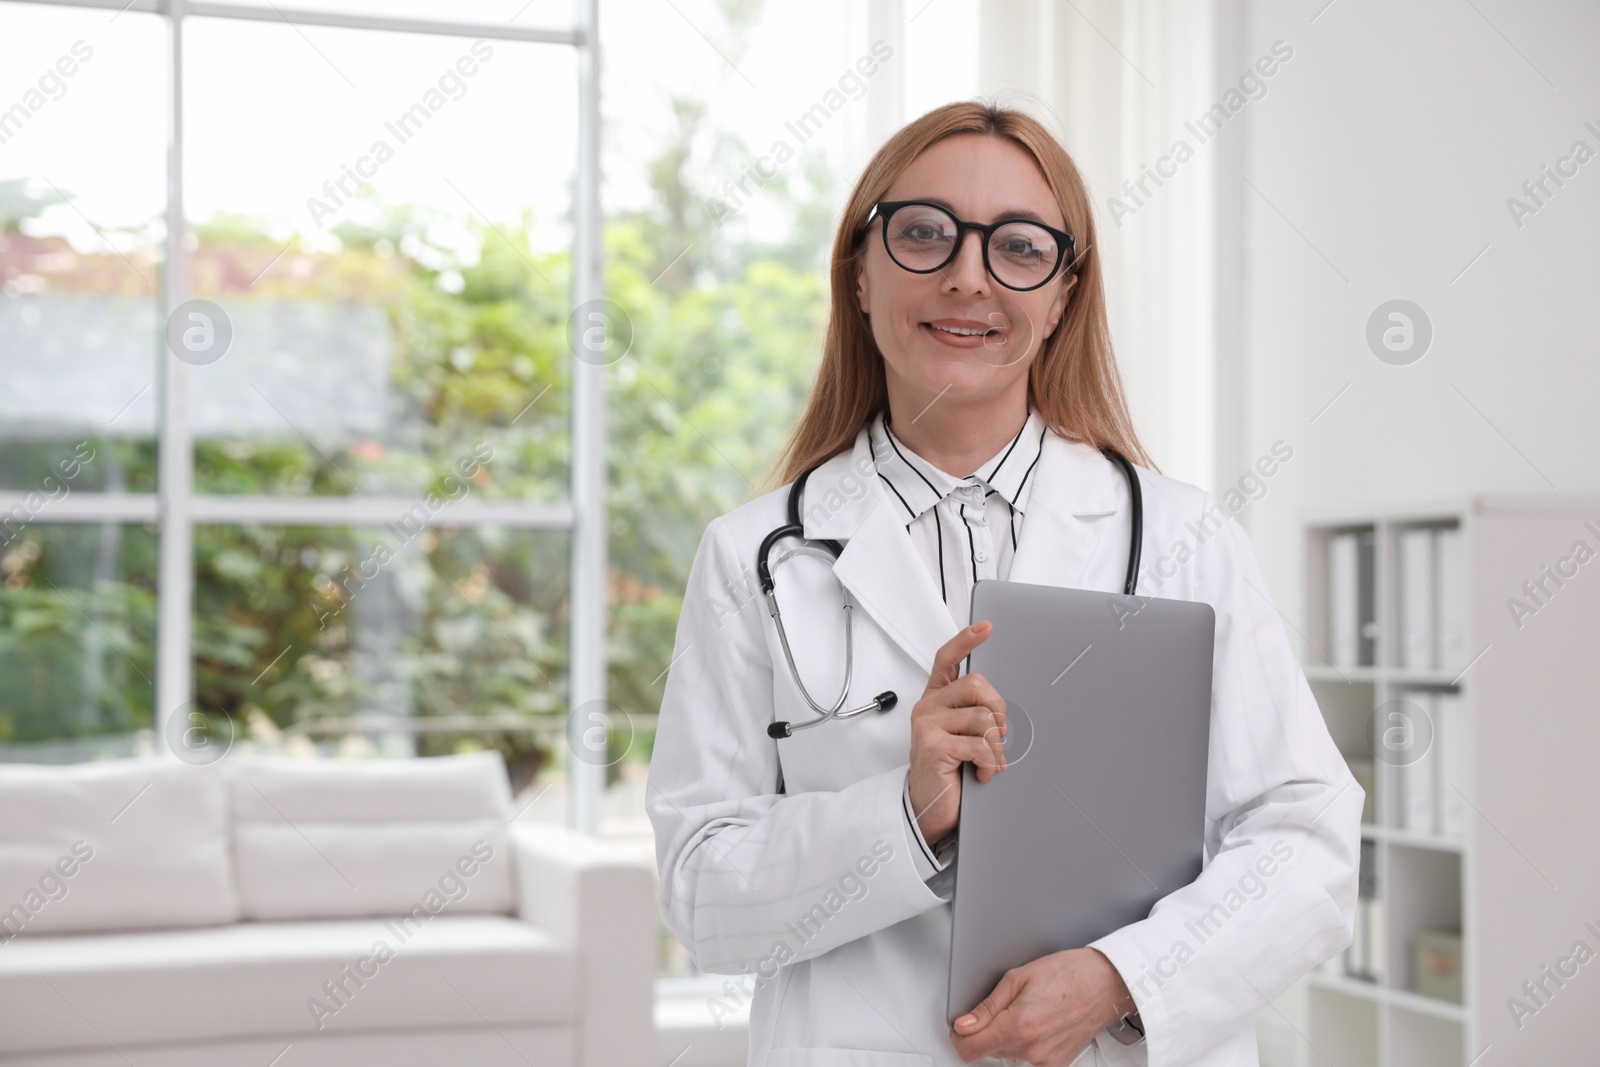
[886, 700]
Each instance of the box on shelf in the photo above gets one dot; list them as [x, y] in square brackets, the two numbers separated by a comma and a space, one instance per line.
[1437, 964]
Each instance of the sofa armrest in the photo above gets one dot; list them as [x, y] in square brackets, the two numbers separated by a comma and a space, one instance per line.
[599, 901]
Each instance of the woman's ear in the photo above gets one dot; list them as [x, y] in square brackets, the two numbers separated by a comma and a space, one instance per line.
[1058, 306]
[861, 289]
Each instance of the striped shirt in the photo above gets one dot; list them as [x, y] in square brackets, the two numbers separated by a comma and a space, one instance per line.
[964, 528]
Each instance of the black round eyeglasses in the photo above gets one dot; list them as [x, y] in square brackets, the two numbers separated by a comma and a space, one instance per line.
[1021, 254]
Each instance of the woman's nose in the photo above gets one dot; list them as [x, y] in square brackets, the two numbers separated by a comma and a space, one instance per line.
[966, 271]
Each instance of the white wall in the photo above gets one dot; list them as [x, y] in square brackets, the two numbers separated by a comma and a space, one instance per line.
[1384, 158]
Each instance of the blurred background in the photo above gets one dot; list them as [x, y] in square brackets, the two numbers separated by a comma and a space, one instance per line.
[381, 494]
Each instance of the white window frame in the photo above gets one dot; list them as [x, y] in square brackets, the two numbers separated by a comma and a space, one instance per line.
[176, 508]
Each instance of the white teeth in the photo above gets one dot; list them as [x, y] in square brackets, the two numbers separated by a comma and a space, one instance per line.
[959, 332]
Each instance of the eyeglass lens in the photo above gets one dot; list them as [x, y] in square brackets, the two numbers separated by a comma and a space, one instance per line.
[922, 238]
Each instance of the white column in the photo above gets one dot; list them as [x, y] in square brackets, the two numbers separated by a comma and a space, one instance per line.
[886, 100]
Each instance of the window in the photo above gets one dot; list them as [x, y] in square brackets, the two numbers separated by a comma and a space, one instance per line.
[310, 466]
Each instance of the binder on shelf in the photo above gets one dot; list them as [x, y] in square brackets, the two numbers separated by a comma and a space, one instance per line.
[1450, 599]
[1419, 778]
[1376, 932]
[1355, 957]
[1343, 621]
[1367, 598]
[1364, 958]
[1417, 599]
[1361, 769]
[1450, 743]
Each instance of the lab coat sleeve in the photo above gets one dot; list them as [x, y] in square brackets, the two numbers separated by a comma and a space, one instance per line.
[933, 863]
[1277, 892]
[752, 878]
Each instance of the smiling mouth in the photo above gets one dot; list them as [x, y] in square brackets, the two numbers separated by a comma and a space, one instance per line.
[975, 331]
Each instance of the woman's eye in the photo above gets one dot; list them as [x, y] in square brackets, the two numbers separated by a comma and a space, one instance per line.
[1021, 249]
[922, 231]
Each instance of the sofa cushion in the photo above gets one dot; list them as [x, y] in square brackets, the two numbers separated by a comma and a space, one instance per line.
[501, 1045]
[280, 979]
[326, 839]
[113, 845]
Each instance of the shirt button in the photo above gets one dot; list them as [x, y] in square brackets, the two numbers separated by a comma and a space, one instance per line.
[981, 556]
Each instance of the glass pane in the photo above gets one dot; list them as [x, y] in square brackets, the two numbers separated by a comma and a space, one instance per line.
[81, 245]
[387, 236]
[439, 640]
[77, 641]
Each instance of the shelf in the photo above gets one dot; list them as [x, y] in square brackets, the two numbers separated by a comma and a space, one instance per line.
[1439, 1009]
[1350, 987]
[1319, 672]
[1412, 838]
[1512, 694]
[1399, 998]
[1322, 672]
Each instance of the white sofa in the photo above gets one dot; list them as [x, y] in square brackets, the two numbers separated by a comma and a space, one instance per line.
[302, 913]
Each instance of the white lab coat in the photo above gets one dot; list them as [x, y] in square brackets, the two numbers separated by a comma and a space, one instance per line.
[790, 862]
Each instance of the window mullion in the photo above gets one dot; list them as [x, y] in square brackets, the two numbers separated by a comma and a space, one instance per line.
[175, 467]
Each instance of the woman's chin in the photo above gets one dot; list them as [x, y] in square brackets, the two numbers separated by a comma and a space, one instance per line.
[965, 379]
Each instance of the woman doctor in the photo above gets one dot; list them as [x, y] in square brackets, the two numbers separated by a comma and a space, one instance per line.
[955, 429]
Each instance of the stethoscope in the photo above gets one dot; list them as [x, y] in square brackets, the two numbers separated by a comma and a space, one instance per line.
[885, 700]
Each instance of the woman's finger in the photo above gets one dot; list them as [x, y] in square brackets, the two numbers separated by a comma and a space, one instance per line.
[970, 691]
[947, 661]
[966, 715]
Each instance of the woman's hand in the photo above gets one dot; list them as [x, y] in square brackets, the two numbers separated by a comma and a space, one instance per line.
[958, 720]
[1045, 1012]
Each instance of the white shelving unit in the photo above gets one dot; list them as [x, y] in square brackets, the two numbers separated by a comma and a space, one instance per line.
[1524, 879]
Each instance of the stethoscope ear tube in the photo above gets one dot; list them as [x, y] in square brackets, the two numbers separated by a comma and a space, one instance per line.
[1136, 536]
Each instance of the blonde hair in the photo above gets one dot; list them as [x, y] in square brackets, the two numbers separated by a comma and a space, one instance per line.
[1073, 382]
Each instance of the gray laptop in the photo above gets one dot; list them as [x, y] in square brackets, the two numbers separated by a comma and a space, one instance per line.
[1101, 810]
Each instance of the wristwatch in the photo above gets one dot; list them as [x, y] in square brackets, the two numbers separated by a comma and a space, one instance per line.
[1129, 1030]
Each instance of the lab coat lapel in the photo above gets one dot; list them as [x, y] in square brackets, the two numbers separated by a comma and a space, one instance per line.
[1069, 511]
[879, 564]
[883, 571]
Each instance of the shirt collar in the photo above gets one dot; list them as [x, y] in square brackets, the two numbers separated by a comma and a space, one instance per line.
[919, 485]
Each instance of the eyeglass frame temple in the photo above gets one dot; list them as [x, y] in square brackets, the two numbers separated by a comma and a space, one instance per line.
[885, 209]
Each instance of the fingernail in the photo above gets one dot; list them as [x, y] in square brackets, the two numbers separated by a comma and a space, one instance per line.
[966, 1020]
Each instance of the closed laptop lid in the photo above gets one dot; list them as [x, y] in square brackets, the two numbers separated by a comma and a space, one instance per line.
[1101, 810]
